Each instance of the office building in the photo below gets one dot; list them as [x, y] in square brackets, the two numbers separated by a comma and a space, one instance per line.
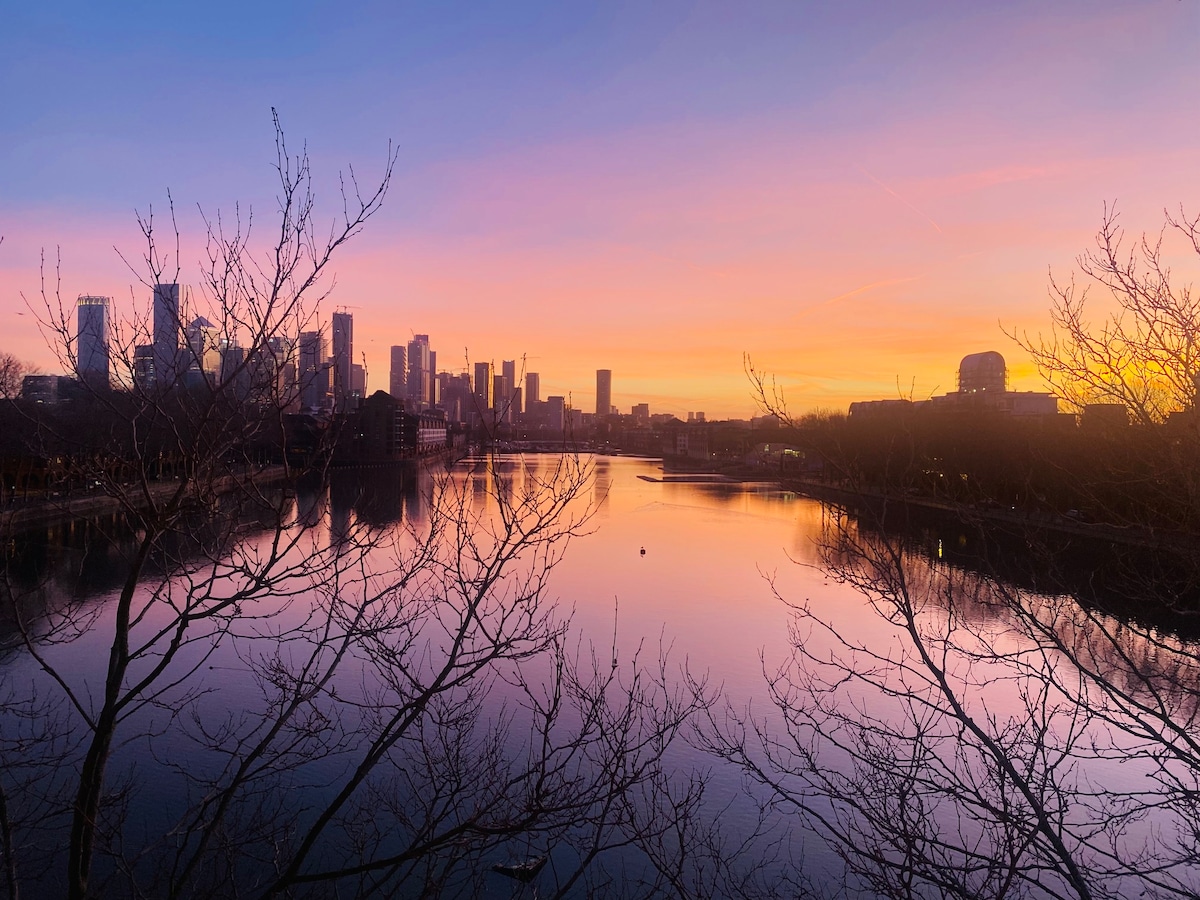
[556, 413]
[982, 388]
[398, 374]
[314, 371]
[203, 357]
[603, 392]
[143, 367]
[502, 398]
[513, 398]
[170, 303]
[273, 374]
[234, 373]
[343, 361]
[533, 388]
[455, 396]
[40, 389]
[91, 349]
[420, 372]
[483, 389]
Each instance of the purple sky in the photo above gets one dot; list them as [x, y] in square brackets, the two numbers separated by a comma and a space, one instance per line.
[857, 194]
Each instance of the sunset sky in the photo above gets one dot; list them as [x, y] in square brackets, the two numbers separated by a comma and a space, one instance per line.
[856, 194]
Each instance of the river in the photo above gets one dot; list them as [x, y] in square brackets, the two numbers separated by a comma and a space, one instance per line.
[724, 582]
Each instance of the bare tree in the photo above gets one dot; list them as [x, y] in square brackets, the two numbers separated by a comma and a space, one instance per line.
[1143, 350]
[998, 740]
[12, 375]
[991, 742]
[293, 705]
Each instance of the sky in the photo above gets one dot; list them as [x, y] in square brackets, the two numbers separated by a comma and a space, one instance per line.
[854, 194]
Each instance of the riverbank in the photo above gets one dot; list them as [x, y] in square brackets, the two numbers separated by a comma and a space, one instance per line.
[97, 504]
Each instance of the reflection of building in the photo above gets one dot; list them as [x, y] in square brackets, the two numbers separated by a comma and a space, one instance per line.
[91, 360]
[982, 387]
[603, 392]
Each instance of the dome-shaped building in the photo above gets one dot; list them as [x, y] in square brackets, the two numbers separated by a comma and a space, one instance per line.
[982, 372]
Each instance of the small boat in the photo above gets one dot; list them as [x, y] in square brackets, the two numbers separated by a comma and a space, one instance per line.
[523, 872]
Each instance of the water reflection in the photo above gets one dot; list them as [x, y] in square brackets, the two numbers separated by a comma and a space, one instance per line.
[985, 728]
[845, 662]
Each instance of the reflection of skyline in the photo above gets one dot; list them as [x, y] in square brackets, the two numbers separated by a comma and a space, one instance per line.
[377, 497]
[601, 483]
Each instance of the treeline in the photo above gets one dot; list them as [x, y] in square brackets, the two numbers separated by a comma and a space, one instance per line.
[1125, 475]
[117, 437]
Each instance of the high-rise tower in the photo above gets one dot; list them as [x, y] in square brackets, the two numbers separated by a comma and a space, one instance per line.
[502, 398]
[170, 302]
[398, 375]
[483, 389]
[509, 369]
[533, 388]
[343, 360]
[603, 392]
[203, 356]
[420, 370]
[91, 349]
[314, 371]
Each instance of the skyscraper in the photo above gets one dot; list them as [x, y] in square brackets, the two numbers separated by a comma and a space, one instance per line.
[513, 398]
[343, 360]
[502, 398]
[398, 375]
[483, 388]
[533, 388]
[603, 392]
[314, 371]
[556, 413]
[420, 371]
[91, 359]
[203, 357]
[170, 302]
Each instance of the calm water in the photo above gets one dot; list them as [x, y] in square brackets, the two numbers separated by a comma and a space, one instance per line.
[703, 592]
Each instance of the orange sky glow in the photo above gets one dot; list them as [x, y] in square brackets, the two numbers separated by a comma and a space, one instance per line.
[855, 233]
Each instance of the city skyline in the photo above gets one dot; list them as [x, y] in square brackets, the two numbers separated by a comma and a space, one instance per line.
[855, 196]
